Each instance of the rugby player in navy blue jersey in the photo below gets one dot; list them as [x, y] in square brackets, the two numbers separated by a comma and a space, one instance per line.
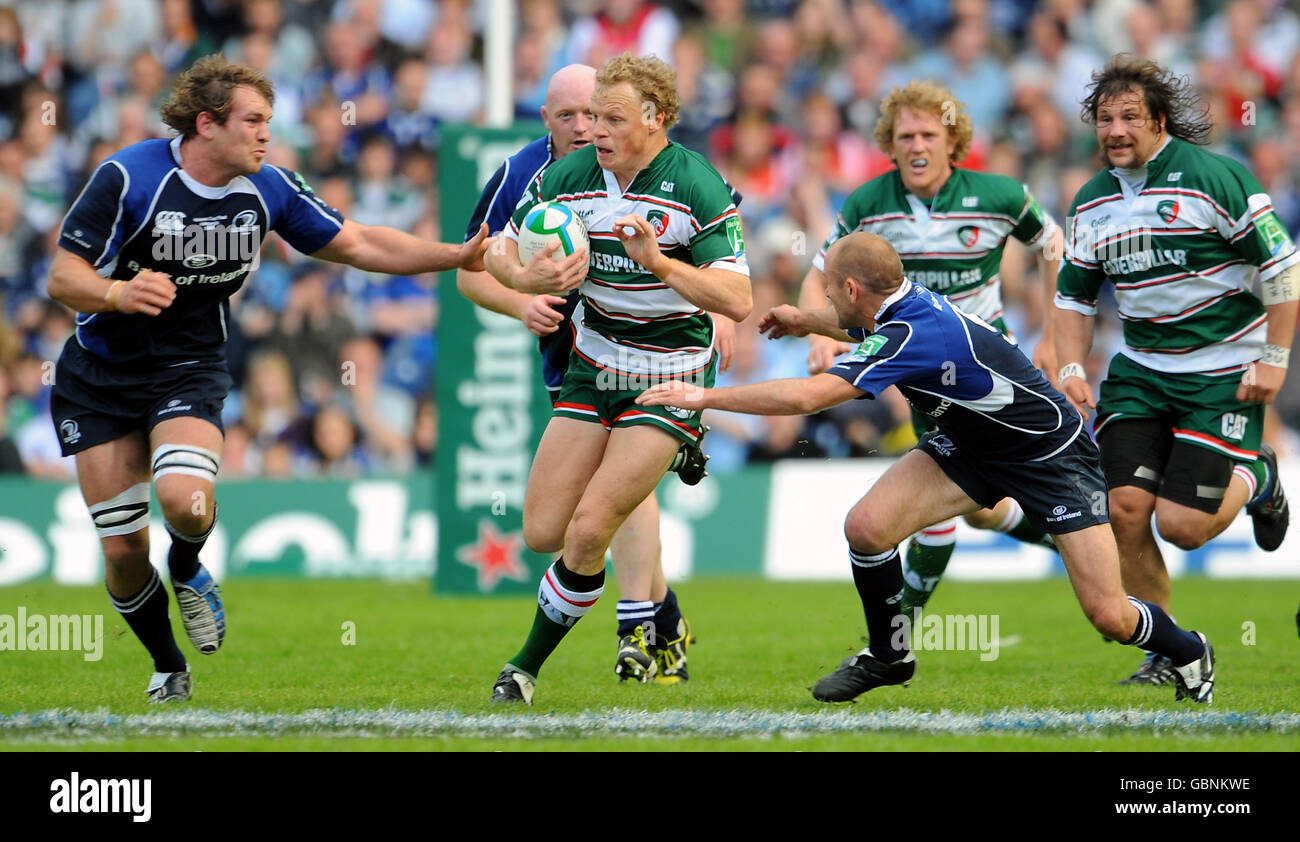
[149, 255]
[1003, 431]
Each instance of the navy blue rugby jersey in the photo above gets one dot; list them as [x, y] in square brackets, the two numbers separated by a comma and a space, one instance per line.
[140, 210]
[980, 389]
[504, 190]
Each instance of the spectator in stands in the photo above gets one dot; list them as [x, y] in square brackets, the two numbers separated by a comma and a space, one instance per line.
[385, 414]
[453, 90]
[636, 26]
[969, 71]
[383, 195]
[407, 123]
[182, 43]
[426, 432]
[10, 461]
[269, 410]
[333, 450]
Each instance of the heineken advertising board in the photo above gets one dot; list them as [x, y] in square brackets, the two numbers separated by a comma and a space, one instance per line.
[785, 522]
[492, 404]
[378, 528]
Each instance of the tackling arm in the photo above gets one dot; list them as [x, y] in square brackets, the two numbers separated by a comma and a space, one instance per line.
[822, 348]
[795, 396]
[378, 248]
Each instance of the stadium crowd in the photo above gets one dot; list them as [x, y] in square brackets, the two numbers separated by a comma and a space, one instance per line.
[333, 366]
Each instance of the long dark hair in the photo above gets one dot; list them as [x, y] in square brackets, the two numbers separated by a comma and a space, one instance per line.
[1167, 95]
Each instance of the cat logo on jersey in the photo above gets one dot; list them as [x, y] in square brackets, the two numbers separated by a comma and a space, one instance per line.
[678, 412]
[1167, 210]
[968, 235]
[659, 219]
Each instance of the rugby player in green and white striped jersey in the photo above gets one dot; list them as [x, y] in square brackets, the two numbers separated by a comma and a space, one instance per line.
[950, 227]
[666, 250]
[1206, 288]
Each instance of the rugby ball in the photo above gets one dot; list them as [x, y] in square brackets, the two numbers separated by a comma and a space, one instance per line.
[547, 222]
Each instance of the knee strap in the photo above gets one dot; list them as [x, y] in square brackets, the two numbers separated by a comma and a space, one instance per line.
[185, 459]
[126, 513]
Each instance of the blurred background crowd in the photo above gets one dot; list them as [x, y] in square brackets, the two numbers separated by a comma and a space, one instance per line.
[333, 367]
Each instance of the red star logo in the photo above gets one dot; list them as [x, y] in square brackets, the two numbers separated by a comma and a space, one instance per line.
[495, 555]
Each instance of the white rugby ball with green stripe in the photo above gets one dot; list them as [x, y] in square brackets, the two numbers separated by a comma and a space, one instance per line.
[547, 222]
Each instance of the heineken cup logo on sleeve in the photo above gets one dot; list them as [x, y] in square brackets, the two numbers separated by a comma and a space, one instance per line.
[736, 236]
[1275, 236]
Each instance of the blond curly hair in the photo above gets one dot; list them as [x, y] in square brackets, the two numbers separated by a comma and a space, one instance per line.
[649, 76]
[928, 98]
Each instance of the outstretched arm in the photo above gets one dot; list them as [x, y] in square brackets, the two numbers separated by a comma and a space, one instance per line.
[795, 396]
[378, 248]
[822, 348]
[793, 321]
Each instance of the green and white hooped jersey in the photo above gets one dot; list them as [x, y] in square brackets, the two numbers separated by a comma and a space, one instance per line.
[1186, 250]
[953, 247]
[629, 321]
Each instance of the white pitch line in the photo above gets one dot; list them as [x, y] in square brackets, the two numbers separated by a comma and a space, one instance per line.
[69, 724]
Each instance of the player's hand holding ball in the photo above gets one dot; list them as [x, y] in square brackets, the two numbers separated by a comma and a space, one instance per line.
[553, 247]
[674, 393]
[550, 271]
[639, 241]
[149, 292]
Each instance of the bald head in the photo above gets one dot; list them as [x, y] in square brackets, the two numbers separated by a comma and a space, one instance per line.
[868, 259]
[567, 112]
[570, 81]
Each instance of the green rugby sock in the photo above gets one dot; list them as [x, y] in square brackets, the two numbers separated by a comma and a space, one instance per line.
[563, 597]
[1259, 470]
[1030, 534]
[926, 562]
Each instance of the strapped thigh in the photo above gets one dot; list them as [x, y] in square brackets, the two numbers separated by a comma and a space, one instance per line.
[1135, 451]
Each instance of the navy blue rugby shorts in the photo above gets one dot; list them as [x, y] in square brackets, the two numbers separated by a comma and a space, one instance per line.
[1062, 494]
[94, 402]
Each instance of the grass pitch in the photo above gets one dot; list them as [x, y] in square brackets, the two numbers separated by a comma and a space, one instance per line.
[373, 666]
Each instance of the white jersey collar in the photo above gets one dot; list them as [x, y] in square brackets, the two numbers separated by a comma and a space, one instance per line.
[897, 295]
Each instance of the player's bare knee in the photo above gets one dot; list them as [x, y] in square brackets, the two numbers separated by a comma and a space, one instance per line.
[867, 533]
[124, 554]
[187, 507]
[1130, 506]
[983, 519]
[589, 531]
[1183, 533]
[1110, 617]
[543, 538]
